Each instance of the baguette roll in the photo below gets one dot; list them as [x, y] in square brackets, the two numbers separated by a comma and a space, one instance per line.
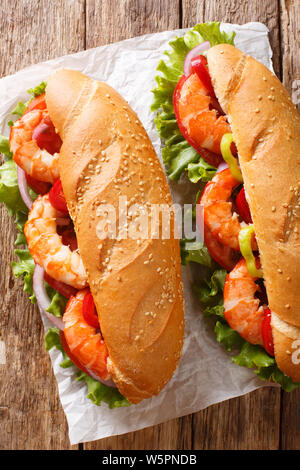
[136, 283]
[266, 129]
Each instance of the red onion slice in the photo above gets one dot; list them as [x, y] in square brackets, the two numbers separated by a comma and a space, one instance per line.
[221, 167]
[23, 187]
[187, 66]
[42, 297]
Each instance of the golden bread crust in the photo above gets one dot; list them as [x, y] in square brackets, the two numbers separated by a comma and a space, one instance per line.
[136, 285]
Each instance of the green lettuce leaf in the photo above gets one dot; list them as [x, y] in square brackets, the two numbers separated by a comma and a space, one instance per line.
[58, 302]
[97, 392]
[19, 109]
[200, 171]
[9, 189]
[177, 154]
[229, 338]
[4, 146]
[194, 252]
[210, 291]
[38, 90]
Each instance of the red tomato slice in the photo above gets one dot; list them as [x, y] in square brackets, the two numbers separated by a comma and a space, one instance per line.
[266, 331]
[69, 238]
[212, 158]
[64, 289]
[70, 355]
[57, 198]
[89, 311]
[46, 137]
[38, 103]
[243, 207]
[40, 187]
[199, 65]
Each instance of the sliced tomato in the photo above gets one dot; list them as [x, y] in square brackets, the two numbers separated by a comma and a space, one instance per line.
[45, 136]
[266, 331]
[70, 355]
[37, 103]
[243, 207]
[64, 289]
[40, 187]
[57, 198]
[89, 311]
[210, 157]
[199, 65]
[69, 238]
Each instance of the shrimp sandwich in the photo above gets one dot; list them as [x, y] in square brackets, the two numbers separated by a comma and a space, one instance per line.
[80, 158]
[231, 126]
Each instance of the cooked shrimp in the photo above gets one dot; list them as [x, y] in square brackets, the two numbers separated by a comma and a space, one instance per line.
[242, 310]
[202, 123]
[222, 222]
[47, 248]
[85, 343]
[35, 145]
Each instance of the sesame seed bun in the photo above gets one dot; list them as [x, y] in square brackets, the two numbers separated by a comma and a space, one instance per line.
[266, 129]
[136, 283]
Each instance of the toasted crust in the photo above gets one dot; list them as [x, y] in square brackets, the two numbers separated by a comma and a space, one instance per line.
[266, 129]
[287, 347]
[136, 286]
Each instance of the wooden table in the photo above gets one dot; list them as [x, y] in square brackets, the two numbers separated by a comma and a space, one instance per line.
[31, 416]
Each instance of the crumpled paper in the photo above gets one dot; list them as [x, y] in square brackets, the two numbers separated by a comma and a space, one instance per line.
[206, 374]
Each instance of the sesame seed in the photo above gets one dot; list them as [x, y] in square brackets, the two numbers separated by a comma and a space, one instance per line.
[287, 306]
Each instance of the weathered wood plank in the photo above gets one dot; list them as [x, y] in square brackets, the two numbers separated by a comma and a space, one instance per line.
[235, 11]
[30, 412]
[290, 27]
[109, 22]
[172, 435]
[116, 20]
[234, 424]
[248, 422]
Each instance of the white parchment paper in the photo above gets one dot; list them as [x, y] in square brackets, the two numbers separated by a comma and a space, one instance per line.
[206, 374]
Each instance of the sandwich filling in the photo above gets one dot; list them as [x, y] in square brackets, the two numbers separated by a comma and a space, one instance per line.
[51, 265]
[198, 141]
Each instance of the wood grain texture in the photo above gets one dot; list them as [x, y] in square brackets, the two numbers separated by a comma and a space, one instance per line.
[250, 422]
[236, 11]
[115, 20]
[31, 416]
[289, 29]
